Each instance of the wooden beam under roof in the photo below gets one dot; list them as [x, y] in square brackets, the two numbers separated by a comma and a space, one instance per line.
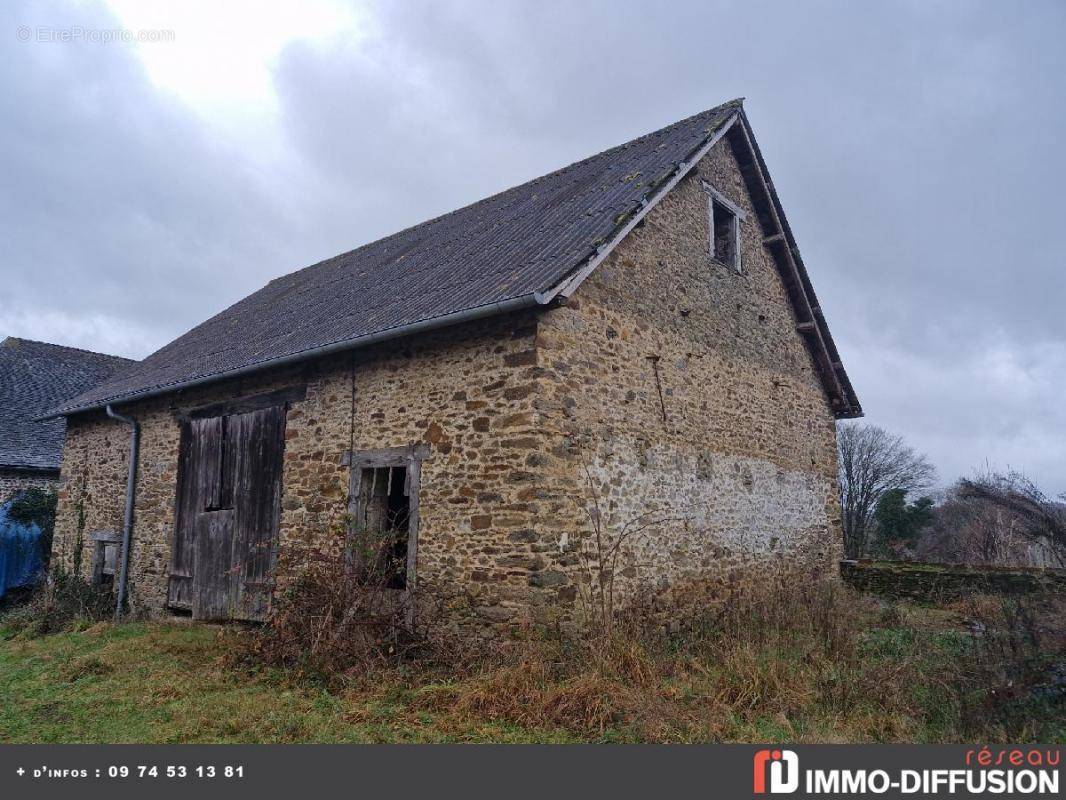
[777, 238]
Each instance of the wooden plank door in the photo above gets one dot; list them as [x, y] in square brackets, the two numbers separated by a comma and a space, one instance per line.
[260, 440]
[229, 500]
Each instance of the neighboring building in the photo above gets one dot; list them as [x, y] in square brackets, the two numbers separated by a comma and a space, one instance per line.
[34, 378]
[640, 323]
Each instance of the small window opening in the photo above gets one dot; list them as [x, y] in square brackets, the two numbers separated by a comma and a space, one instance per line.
[220, 489]
[107, 551]
[724, 235]
[386, 507]
[109, 563]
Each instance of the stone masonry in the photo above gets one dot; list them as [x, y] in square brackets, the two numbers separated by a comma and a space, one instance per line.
[671, 391]
[466, 392]
[684, 390]
[13, 481]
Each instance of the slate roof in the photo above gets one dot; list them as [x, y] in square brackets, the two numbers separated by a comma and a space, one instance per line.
[513, 245]
[35, 377]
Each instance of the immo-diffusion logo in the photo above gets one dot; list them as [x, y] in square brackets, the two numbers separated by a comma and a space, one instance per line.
[783, 768]
[1014, 771]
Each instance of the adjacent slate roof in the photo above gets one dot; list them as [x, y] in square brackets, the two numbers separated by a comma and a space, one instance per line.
[514, 245]
[35, 377]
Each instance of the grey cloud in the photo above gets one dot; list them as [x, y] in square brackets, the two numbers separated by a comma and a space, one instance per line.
[121, 216]
[916, 146]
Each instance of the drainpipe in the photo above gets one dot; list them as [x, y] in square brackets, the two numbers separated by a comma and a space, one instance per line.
[127, 525]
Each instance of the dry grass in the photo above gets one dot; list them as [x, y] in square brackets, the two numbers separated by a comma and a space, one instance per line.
[796, 660]
[788, 661]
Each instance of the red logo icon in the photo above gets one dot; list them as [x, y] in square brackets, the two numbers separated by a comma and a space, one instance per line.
[783, 769]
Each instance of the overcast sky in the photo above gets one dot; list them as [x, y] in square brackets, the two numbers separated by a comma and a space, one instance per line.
[917, 148]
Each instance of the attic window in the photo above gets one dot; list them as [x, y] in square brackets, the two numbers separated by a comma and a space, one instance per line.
[724, 218]
[725, 234]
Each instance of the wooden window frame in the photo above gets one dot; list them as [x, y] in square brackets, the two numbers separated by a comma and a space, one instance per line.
[410, 458]
[714, 196]
[101, 540]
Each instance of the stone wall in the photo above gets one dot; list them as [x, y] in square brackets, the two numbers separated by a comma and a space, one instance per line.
[939, 582]
[679, 391]
[466, 392]
[12, 481]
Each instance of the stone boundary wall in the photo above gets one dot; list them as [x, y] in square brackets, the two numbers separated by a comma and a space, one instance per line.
[921, 581]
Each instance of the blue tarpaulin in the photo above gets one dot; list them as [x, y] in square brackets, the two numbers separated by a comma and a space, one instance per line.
[20, 553]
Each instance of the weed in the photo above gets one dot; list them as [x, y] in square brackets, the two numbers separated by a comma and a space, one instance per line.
[65, 601]
[1010, 676]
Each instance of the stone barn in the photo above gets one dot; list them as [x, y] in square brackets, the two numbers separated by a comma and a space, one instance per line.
[635, 333]
[34, 378]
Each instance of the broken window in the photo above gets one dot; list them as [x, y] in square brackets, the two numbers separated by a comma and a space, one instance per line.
[725, 234]
[725, 218]
[384, 514]
[106, 553]
[386, 505]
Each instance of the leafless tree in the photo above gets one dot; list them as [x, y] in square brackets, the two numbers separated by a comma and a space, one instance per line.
[968, 531]
[872, 462]
[1039, 518]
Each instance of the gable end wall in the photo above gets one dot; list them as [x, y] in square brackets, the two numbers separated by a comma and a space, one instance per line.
[686, 391]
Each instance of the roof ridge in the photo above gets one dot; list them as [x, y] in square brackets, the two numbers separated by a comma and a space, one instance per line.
[736, 102]
[6, 339]
[495, 254]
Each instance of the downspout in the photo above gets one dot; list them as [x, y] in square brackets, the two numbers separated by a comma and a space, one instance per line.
[127, 525]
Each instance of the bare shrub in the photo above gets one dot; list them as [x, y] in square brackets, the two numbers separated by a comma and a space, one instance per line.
[996, 519]
[341, 614]
[1033, 515]
[65, 601]
[599, 550]
[1012, 674]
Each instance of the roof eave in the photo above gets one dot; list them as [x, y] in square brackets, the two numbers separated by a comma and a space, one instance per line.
[446, 320]
[810, 321]
[30, 468]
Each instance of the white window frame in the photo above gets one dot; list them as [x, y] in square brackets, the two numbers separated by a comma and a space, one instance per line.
[714, 196]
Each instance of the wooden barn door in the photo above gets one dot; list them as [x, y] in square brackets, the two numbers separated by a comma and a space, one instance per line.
[229, 497]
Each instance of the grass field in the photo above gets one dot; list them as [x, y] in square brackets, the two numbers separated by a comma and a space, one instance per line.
[153, 682]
